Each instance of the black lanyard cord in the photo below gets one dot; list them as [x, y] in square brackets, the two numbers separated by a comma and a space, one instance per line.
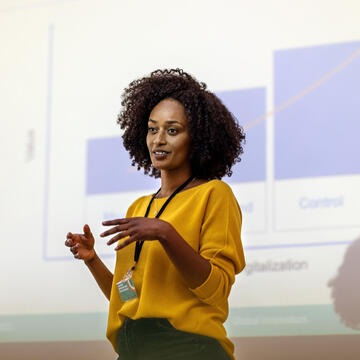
[139, 244]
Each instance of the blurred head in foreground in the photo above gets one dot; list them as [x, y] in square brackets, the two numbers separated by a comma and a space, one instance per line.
[346, 287]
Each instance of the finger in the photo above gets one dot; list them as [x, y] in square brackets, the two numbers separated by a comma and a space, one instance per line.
[126, 242]
[79, 238]
[118, 237]
[115, 230]
[74, 237]
[68, 242]
[74, 249]
[84, 239]
[87, 231]
[115, 222]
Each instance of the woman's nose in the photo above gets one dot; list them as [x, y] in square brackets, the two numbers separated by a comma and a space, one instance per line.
[160, 138]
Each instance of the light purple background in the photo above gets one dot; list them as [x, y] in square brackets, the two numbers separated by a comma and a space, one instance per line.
[317, 135]
[109, 168]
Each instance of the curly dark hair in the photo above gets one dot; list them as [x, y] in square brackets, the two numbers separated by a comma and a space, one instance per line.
[215, 136]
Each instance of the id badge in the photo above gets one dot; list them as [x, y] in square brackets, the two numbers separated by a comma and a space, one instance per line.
[126, 287]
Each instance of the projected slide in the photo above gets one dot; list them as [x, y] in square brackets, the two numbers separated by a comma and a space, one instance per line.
[94, 180]
[296, 91]
[316, 136]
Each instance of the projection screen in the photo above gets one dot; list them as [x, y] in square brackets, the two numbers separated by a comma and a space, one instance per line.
[289, 71]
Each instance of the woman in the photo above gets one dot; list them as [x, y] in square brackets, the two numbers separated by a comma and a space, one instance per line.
[179, 249]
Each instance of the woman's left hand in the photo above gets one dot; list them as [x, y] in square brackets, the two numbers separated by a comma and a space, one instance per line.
[136, 228]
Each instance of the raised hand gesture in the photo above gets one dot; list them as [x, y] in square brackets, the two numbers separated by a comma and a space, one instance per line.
[81, 245]
[135, 229]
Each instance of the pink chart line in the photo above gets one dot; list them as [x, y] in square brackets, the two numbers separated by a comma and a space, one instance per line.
[305, 91]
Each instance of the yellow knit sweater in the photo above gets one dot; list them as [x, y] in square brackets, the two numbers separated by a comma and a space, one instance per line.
[208, 217]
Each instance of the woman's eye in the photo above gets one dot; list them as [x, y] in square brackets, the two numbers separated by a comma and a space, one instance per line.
[172, 131]
[151, 130]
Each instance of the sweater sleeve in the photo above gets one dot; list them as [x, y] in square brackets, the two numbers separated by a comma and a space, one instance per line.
[220, 243]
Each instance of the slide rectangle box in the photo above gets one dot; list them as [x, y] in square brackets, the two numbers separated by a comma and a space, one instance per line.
[316, 137]
[323, 202]
[248, 180]
[316, 134]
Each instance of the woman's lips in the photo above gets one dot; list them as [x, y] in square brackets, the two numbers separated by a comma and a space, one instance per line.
[160, 155]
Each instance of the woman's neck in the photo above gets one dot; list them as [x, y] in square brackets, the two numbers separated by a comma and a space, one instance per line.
[170, 182]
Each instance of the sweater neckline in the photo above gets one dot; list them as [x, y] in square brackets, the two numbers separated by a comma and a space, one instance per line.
[185, 190]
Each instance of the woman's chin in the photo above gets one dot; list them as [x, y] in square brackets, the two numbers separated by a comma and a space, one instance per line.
[160, 165]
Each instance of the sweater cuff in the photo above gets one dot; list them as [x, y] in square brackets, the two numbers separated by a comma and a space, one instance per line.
[207, 291]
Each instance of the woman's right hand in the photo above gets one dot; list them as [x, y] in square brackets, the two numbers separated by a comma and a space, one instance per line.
[81, 245]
